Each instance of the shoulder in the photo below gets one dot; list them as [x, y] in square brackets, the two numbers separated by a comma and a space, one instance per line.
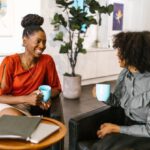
[11, 59]
[144, 79]
[147, 74]
[121, 78]
[10, 62]
[45, 58]
[123, 73]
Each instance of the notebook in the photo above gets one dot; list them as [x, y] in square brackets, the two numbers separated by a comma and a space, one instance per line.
[27, 128]
[20, 127]
[42, 131]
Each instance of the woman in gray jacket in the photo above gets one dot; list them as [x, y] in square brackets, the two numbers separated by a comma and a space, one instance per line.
[132, 92]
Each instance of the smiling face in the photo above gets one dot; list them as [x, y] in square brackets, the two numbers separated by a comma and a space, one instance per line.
[35, 43]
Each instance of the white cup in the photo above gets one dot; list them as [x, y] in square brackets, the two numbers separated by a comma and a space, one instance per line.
[102, 91]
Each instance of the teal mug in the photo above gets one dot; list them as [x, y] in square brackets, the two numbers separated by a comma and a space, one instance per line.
[46, 92]
[102, 91]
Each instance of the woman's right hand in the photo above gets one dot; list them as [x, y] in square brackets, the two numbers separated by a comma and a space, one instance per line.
[34, 98]
[45, 105]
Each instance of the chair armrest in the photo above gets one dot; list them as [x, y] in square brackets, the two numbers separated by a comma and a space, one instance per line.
[85, 126]
[56, 110]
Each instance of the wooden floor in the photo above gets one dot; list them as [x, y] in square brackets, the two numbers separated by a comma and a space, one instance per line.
[86, 103]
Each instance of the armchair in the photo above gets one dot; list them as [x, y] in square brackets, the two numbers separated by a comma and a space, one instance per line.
[82, 131]
[54, 112]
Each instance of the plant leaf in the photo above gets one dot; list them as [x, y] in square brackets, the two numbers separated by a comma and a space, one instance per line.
[59, 19]
[80, 46]
[93, 6]
[65, 48]
[64, 3]
[74, 25]
[59, 37]
[110, 9]
[82, 50]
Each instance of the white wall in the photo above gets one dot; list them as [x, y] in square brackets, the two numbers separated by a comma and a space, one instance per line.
[145, 9]
[98, 64]
[19, 8]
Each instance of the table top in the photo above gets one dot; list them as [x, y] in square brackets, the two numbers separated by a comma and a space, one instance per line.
[15, 144]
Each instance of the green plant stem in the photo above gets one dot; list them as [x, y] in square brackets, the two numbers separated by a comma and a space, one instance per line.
[70, 57]
[76, 51]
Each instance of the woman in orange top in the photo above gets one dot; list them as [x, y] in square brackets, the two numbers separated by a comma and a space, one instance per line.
[22, 74]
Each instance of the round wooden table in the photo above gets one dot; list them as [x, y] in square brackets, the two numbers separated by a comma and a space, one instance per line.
[15, 144]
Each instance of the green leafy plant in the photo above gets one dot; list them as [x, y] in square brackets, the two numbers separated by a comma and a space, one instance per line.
[73, 21]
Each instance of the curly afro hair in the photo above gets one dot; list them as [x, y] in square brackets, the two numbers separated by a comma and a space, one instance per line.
[134, 48]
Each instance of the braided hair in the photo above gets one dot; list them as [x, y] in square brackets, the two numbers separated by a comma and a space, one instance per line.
[31, 23]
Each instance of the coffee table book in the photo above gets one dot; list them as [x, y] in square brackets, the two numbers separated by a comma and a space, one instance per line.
[25, 128]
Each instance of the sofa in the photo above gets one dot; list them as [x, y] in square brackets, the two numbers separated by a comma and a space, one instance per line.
[82, 132]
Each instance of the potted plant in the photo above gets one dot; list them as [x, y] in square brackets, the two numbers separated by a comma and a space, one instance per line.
[75, 22]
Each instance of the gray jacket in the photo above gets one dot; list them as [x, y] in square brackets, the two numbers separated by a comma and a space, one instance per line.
[132, 93]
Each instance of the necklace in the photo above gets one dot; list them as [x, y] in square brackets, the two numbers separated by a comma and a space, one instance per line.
[25, 66]
[29, 68]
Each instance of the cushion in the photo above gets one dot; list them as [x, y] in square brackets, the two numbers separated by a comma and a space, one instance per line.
[86, 145]
[117, 141]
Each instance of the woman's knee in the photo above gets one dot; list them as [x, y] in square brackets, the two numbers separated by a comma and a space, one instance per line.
[11, 111]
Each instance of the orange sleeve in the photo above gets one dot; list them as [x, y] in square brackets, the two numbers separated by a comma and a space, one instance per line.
[52, 76]
[6, 76]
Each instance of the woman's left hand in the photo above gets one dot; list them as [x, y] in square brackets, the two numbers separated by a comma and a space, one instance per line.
[45, 105]
[107, 128]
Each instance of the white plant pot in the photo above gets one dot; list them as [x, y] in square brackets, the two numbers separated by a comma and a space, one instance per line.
[72, 87]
